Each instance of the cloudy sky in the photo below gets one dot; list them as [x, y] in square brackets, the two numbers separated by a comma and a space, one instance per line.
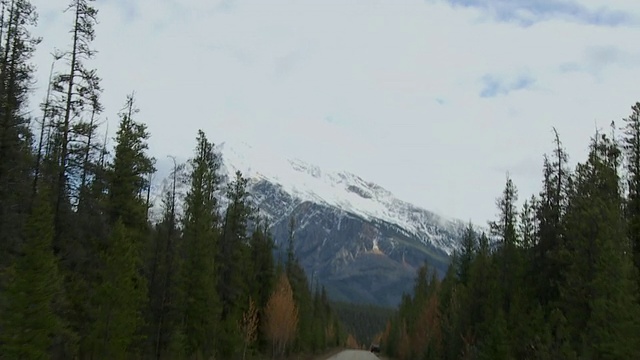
[435, 100]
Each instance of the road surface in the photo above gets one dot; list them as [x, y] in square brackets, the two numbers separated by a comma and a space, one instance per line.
[354, 355]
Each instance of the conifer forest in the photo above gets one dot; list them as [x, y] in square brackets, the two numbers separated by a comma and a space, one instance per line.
[555, 279]
[85, 273]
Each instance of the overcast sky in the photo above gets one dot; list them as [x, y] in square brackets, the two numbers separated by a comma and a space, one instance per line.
[434, 100]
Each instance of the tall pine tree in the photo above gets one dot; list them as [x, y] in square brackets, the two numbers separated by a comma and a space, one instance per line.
[29, 323]
[631, 148]
[163, 264]
[120, 296]
[200, 304]
[17, 46]
[599, 291]
[122, 251]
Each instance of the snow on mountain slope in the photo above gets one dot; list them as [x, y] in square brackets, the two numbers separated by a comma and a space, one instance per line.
[342, 190]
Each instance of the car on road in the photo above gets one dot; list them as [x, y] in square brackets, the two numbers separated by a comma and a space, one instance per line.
[375, 348]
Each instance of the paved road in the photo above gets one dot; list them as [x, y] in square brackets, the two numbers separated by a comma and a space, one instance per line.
[354, 355]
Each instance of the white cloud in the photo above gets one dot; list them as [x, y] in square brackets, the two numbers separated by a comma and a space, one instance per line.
[399, 81]
[529, 12]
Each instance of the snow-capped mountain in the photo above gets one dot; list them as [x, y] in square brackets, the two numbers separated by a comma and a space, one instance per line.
[352, 236]
[341, 190]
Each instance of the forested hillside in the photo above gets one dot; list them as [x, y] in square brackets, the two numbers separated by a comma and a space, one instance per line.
[84, 274]
[364, 321]
[560, 281]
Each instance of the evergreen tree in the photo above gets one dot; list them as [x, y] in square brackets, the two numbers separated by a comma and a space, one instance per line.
[631, 148]
[505, 229]
[45, 126]
[301, 293]
[80, 244]
[482, 290]
[163, 290]
[560, 338]
[233, 258]
[550, 211]
[261, 276]
[74, 229]
[495, 345]
[119, 299]
[76, 91]
[128, 174]
[29, 323]
[16, 75]
[233, 245]
[199, 276]
[467, 254]
[528, 225]
[122, 251]
[599, 292]
[453, 310]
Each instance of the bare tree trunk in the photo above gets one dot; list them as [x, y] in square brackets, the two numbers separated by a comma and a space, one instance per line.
[87, 153]
[66, 126]
[42, 126]
[148, 195]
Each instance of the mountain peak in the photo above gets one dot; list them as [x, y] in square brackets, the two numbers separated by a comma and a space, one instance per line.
[340, 189]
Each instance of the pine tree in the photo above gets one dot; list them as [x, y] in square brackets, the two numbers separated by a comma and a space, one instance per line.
[560, 337]
[80, 243]
[467, 254]
[76, 91]
[233, 245]
[128, 174]
[29, 323]
[16, 76]
[163, 272]
[505, 229]
[495, 345]
[452, 308]
[528, 225]
[119, 299]
[550, 211]
[262, 270]
[599, 292]
[631, 148]
[559, 284]
[301, 292]
[122, 251]
[199, 276]
[45, 126]
[482, 284]
[233, 258]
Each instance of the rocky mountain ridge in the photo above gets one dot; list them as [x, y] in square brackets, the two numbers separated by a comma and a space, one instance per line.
[351, 236]
[344, 191]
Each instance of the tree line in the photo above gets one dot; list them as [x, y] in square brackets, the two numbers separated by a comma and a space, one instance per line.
[556, 279]
[85, 273]
[363, 321]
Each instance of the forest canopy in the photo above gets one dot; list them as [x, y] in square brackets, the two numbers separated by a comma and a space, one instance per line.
[556, 279]
[85, 273]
